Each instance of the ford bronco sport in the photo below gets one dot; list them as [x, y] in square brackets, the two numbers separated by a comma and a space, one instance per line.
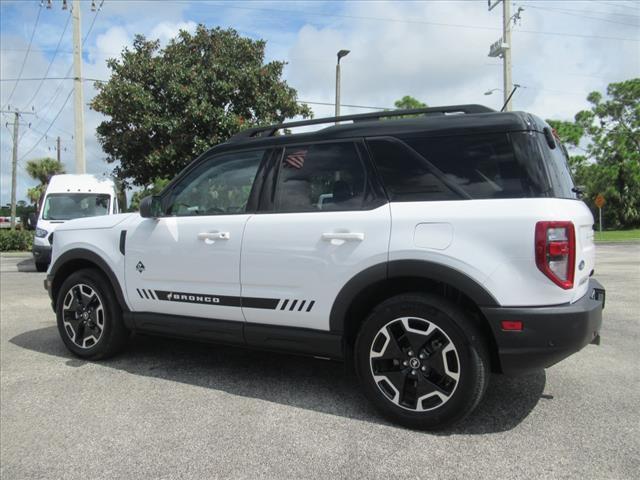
[427, 250]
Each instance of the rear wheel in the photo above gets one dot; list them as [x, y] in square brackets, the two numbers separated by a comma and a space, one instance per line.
[421, 361]
[41, 267]
[89, 316]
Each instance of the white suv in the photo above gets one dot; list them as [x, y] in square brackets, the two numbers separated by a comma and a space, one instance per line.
[428, 250]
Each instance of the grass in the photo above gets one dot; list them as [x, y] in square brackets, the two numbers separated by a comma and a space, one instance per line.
[618, 236]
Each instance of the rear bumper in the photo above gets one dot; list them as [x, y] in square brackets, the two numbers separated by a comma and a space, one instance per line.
[41, 253]
[549, 334]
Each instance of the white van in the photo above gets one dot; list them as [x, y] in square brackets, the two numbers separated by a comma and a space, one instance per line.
[68, 197]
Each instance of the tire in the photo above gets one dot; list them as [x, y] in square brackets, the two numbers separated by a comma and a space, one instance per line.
[89, 316]
[41, 267]
[421, 362]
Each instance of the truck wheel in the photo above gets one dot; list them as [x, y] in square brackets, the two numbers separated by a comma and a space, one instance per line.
[89, 316]
[41, 267]
[421, 361]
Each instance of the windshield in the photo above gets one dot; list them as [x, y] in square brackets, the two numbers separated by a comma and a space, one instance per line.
[66, 206]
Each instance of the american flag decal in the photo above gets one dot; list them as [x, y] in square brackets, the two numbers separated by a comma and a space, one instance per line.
[295, 159]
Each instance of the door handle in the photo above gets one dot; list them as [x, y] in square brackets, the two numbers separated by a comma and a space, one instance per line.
[345, 236]
[214, 236]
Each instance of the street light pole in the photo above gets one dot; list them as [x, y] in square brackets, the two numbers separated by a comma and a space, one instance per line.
[341, 53]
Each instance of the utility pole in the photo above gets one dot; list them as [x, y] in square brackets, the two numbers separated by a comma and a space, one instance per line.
[502, 47]
[506, 58]
[78, 94]
[58, 149]
[14, 162]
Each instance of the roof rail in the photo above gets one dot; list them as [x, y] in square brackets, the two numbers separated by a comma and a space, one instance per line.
[269, 131]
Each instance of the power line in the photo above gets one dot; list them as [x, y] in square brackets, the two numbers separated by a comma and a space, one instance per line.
[420, 22]
[26, 55]
[46, 73]
[331, 104]
[635, 9]
[580, 16]
[59, 88]
[39, 79]
[49, 128]
[529, 3]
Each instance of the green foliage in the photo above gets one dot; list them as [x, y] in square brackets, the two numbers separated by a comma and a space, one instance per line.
[17, 240]
[408, 102]
[611, 164]
[166, 106]
[42, 170]
[154, 188]
[569, 132]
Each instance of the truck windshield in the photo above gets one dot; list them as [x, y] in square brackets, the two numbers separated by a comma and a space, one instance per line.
[66, 206]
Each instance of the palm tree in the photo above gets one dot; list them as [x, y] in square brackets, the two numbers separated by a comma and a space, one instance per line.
[42, 169]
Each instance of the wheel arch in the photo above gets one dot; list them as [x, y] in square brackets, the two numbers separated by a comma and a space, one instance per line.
[77, 259]
[377, 283]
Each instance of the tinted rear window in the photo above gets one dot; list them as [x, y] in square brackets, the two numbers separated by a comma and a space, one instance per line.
[446, 168]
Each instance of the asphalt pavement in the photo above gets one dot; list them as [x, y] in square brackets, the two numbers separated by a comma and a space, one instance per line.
[175, 409]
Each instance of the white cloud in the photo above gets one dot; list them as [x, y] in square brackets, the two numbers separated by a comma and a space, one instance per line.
[165, 31]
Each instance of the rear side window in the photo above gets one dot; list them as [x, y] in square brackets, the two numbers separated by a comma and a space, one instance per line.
[407, 175]
[320, 177]
[484, 166]
[460, 167]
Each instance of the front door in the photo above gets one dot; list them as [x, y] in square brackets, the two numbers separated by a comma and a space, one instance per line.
[325, 225]
[187, 262]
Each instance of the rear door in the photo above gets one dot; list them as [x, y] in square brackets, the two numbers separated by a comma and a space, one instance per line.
[187, 262]
[322, 220]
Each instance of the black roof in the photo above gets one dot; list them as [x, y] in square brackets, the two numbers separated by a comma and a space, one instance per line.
[434, 121]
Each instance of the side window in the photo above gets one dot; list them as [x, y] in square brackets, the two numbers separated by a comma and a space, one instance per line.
[483, 166]
[218, 186]
[407, 176]
[320, 177]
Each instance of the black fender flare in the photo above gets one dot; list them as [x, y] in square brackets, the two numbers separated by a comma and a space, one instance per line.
[405, 268]
[92, 257]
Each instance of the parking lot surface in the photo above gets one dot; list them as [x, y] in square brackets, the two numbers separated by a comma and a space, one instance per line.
[174, 409]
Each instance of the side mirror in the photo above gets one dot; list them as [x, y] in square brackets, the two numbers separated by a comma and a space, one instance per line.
[150, 207]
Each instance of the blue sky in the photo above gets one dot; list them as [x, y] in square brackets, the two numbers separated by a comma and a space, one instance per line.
[435, 51]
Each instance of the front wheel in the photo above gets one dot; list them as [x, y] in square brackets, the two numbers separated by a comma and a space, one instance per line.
[421, 361]
[89, 316]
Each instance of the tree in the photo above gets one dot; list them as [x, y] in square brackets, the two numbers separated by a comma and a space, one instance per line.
[408, 102]
[166, 106]
[613, 127]
[42, 170]
[611, 163]
[569, 132]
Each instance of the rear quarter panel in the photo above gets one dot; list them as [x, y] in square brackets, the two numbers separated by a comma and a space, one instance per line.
[492, 242]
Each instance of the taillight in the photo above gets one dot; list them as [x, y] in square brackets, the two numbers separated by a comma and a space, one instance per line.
[556, 251]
